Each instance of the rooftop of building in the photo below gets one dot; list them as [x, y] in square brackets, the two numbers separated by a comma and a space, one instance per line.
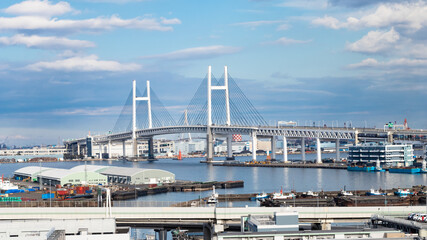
[31, 170]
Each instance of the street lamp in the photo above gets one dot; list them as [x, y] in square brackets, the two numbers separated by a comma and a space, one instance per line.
[50, 193]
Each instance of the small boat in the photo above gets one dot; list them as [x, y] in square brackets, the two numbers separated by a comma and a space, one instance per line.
[6, 185]
[345, 193]
[373, 192]
[312, 194]
[281, 196]
[403, 193]
[261, 196]
[213, 198]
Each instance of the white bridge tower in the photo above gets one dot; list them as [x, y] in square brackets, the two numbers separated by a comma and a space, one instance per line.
[211, 88]
[150, 122]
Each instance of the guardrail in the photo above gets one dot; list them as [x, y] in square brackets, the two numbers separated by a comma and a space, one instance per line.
[91, 204]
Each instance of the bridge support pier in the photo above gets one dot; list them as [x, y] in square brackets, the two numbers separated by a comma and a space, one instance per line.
[151, 149]
[254, 146]
[135, 148]
[273, 148]
[285, 150]
[124, 148]
[209, 145]
[78, 149]
[303, 149]
[318, 151]
[207, 231]
[100, 150]
[337, 149]
[162, 234]
[229, 147]
[109, 149]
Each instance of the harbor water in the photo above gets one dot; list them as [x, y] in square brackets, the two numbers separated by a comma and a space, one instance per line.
[256, 179]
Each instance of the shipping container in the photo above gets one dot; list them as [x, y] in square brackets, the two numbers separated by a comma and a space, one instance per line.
[48, 195]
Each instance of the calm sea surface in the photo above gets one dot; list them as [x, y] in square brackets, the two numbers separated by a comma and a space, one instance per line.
[256, 179]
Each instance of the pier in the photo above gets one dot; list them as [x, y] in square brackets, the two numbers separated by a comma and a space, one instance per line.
[282, 165]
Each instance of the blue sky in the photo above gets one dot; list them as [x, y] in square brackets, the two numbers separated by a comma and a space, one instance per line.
[66, 66]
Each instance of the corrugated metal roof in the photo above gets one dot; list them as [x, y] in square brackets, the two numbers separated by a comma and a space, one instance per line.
[56, 173]
[122, 171]
[31, 170]
[89, 168]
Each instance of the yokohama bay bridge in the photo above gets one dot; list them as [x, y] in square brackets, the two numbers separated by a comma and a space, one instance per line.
[219, 108]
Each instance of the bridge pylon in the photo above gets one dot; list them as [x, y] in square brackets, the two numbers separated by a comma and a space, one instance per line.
[209, 137]
[150, 120]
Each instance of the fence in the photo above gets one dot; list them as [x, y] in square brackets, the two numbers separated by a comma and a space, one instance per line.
[48, 203]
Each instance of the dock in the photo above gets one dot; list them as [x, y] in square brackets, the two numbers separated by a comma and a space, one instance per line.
[282, 165]
[132, 193]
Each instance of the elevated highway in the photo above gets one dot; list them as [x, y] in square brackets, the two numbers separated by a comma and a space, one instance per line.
[176, 215]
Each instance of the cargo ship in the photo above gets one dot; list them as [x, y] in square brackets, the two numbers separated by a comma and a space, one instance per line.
[410, 170]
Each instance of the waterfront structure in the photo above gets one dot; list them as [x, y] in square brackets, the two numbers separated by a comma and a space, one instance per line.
[190, 146]
[31, 172]
[237, 147]
[161, 147]
[36, 151]
[65, 176]
[137, 175]
[385, 154]
[95, 175]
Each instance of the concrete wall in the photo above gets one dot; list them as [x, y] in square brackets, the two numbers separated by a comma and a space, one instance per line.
[23, 228]
[306, 214]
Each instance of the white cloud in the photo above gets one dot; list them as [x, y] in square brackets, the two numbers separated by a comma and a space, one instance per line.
[327, 21]
[83, 64]
[197, 53]
[369, 62]
[287, 41]
[170, 21]
[23, 23]
[408, 15]
[96, 111]
[39, 8]
[376, 42]
[403, 66]
[49, 42]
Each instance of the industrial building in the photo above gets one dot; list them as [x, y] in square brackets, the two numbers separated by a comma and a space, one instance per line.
[387, 154]
[31, 172]
[137, 175]
[65, 176]
[94, 175]
[130, 175]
